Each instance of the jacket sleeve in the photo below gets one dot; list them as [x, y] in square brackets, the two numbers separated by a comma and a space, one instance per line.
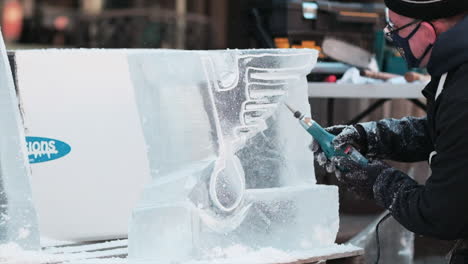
[405, 139]
[440, 207]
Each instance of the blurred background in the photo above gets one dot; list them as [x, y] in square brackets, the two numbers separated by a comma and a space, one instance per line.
[221, 24]
[187, 24]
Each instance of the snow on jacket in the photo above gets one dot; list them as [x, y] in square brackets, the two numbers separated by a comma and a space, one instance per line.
[440, 207]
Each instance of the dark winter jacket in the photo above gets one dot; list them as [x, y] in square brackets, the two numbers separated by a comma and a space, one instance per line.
[440, 207]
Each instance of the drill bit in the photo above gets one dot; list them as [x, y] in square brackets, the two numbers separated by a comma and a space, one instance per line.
[296, 113]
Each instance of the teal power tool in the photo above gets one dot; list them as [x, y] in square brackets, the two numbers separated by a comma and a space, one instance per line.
[325, 139]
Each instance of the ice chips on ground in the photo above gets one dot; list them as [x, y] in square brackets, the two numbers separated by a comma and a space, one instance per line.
[12, 253]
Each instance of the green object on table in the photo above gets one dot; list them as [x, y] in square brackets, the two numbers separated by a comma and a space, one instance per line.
[379, 48]
[394, 63]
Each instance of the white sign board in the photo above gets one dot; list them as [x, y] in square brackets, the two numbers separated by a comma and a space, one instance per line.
[85, 141]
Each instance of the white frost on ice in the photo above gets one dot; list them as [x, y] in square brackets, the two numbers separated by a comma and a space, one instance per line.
[23, 233]
[230, 166]
[235, 254]
[11, 253]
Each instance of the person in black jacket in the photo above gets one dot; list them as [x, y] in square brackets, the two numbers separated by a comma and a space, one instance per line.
[430, 34]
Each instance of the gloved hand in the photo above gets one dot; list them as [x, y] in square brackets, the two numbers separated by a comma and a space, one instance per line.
[360, 178]
[345, 135]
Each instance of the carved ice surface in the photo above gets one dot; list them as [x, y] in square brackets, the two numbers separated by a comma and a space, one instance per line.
[18, 219]
[229, 164]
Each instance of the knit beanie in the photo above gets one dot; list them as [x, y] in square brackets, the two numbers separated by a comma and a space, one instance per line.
[427, 9]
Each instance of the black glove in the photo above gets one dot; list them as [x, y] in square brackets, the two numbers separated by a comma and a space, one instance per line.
[360, 178]
[345, 135]
[405, 139]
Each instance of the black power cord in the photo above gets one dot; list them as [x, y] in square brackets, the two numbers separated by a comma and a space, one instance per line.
[377, 239]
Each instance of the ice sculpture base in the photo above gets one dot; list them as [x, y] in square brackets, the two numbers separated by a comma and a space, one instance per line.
[240, 255]
[291, 218]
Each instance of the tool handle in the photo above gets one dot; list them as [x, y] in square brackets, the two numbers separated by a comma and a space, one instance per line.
[325, 139]
[355, 155]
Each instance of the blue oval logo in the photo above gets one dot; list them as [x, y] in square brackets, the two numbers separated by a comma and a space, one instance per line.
[42, 149]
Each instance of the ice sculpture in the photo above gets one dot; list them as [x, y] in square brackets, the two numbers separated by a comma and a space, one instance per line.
[229, 164]
[18, 220]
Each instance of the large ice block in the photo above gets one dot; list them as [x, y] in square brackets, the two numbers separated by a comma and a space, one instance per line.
[229, 164]
[18, 220]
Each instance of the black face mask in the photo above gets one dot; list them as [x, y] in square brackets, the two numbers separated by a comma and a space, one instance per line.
[403, 47]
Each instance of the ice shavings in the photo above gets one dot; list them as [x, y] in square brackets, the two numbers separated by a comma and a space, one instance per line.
[242, 254]
[113, 251]
[235, 254]
[11, 253]
[23, 233]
